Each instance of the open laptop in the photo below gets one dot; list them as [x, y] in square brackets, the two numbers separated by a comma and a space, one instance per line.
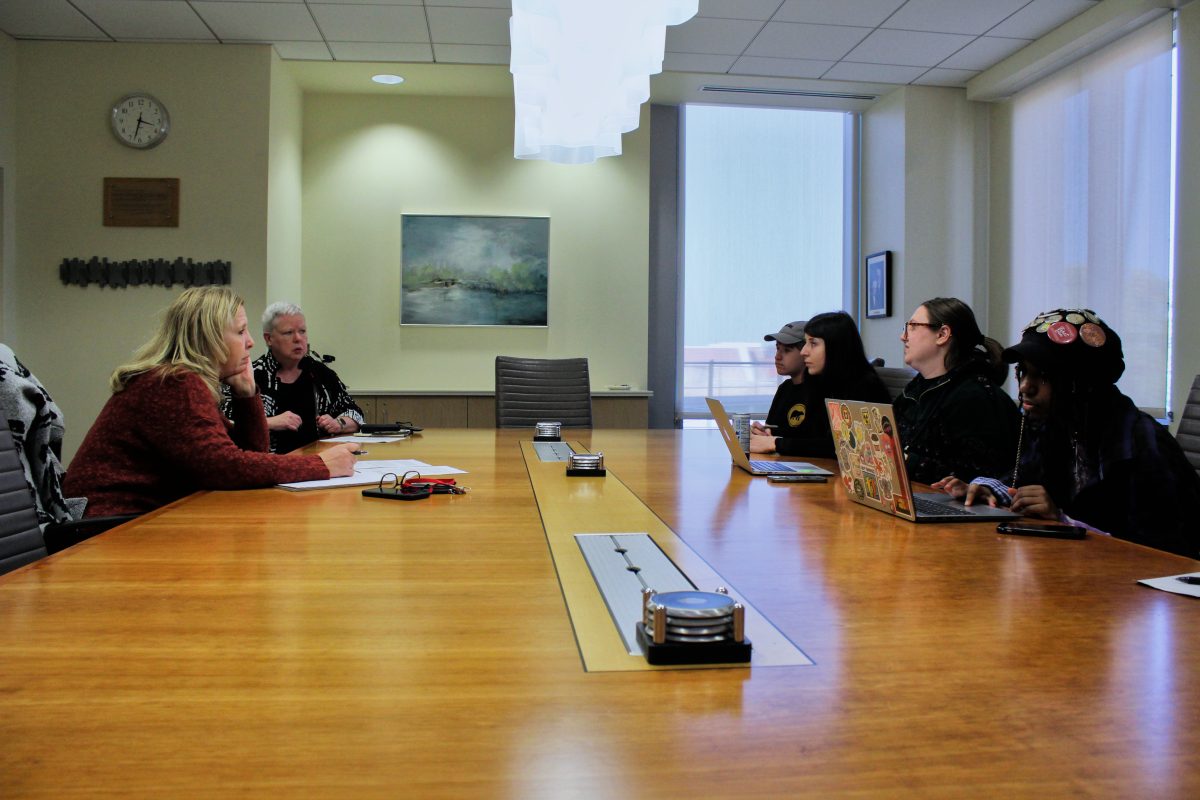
[871, 461]
[756, 467]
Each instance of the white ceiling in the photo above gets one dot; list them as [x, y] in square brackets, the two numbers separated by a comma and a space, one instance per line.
[928, 42]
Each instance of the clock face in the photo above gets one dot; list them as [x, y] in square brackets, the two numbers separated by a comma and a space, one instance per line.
[139, 120]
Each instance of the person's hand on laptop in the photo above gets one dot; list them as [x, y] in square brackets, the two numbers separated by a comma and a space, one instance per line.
[969, 493]
[761, 444]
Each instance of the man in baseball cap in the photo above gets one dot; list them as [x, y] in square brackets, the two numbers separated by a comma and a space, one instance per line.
[789, 407]
[1089, 455]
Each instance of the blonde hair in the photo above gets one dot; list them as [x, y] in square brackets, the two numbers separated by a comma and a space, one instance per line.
[190, 338]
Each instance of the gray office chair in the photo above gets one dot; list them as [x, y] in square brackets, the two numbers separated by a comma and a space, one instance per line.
[1188, 434]
[21, 540]
[894, 378]
[531, 390]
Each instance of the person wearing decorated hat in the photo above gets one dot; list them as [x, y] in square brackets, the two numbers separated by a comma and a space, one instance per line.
[1088, 455]
[822, 357]
[954, 417]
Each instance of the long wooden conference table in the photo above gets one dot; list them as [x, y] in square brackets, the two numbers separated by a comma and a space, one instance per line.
[322, 644]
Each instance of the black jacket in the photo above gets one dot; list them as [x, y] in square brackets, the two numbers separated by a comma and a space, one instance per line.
[798, 410]
[957, 424]
[1123, 473]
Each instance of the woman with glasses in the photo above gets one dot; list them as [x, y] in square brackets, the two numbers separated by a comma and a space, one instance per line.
[1087, 454]
[954, 418]
[826, 360]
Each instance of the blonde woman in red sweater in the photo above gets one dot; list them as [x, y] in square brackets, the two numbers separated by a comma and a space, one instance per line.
[161, 435]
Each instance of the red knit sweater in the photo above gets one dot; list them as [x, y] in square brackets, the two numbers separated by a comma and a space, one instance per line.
[163, 437]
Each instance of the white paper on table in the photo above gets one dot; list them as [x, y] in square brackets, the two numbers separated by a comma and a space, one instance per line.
[354, 438]
[1169, 584]
[366, 472]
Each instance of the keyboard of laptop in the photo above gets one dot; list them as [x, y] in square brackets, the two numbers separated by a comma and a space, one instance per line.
[929, 508]
[773, 466]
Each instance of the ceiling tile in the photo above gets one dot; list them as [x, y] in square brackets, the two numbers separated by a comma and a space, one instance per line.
[697, 62]
[146, 19]
[946, 77]
[908, 48]
[381, 2]
[720, 36]
[258, 22]
[738, 9]
[781, 67]
[344, 23]
[469, 25]
[380, 51]
[46, 19]
[819, 42]
[873, 73]
[303, 51]
[1040, 17]
[983, 53]
[867, 13]
[470, 54]
[952, 16]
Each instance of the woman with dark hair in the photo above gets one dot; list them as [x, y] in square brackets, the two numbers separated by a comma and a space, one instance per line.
[1087, 454]
[834, 365]
[953, 416]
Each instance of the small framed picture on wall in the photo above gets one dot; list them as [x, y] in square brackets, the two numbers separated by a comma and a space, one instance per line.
[879, 284]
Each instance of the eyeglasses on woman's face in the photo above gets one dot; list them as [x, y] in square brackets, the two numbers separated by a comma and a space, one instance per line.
[912, 324]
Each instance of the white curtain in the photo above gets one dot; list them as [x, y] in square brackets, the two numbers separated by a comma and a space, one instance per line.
[1091, 215]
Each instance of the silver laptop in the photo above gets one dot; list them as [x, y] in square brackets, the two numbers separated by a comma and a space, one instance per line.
[756, 467]
[871, 463]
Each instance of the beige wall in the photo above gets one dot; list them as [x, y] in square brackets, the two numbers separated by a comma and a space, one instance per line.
[924, 164]
[369, 159]
[284, 218]
[219, 100]
[8, 159]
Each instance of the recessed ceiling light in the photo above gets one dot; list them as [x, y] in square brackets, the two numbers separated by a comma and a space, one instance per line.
[388, 79]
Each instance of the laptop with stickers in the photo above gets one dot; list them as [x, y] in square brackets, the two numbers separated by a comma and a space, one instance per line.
[756, 467]
[871, 462]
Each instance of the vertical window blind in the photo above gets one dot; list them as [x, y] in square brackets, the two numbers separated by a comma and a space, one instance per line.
[1091, 201]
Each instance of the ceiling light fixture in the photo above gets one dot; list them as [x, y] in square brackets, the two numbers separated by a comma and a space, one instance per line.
[390, 80]
[581, 71]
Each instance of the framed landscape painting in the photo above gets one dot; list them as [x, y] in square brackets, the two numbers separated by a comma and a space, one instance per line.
[459, 270]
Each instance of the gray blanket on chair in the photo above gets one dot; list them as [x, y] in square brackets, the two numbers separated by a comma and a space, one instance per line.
[37, 427]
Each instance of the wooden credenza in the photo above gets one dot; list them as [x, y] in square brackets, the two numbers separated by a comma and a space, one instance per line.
[432, 409]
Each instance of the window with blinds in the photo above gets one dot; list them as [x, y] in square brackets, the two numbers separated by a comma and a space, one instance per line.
[1092, 200]
[763, 212]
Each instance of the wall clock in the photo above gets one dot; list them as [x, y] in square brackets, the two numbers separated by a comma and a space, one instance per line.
[140, 120]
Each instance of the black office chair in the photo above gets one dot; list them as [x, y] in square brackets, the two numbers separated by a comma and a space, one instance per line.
[22, 539]
[1188, 434]
[532, 390]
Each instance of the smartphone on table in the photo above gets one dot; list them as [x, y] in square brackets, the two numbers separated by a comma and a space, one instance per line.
[1050, 531]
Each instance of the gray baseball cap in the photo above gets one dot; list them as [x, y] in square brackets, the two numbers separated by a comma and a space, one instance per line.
[791, 333]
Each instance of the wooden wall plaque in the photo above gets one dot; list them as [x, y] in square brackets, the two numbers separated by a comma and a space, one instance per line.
[141, 202]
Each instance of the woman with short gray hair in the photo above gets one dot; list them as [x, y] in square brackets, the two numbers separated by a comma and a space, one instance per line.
[303, 398]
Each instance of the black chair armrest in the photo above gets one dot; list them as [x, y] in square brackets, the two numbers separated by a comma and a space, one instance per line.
[61, 535]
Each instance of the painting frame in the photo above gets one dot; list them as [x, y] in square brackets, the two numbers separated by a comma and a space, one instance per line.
[471, 270]
[878, 284]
